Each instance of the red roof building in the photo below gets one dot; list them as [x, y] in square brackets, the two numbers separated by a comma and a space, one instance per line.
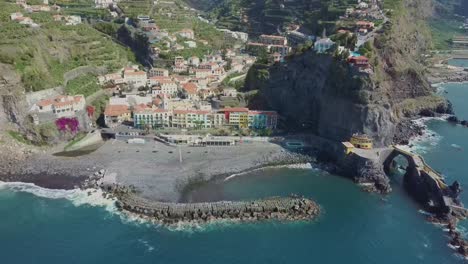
[360, 61]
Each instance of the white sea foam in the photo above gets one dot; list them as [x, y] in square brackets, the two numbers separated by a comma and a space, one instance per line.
[421, 211]
[145, 243]
[91, 197]
[300, 166]
[428, 140]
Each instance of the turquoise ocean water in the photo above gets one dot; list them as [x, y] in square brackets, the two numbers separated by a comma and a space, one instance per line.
[459, 62]
[41, 226]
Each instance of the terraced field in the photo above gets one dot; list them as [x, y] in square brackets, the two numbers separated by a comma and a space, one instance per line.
[43, 55]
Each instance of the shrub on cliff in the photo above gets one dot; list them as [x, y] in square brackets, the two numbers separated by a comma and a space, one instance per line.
[66, 124]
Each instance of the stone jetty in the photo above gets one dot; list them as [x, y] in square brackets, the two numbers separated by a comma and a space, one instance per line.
[279, 208]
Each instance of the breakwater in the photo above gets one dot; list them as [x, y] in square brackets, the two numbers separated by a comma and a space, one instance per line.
[279, 208]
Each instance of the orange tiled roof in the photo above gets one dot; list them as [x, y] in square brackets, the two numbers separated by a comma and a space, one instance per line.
[135, 73]
[116, 110]
[191, 88]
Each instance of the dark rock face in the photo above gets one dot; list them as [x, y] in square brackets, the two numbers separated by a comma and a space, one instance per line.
[405, 131]
[318, 94]
[324, 96]
[374, 173]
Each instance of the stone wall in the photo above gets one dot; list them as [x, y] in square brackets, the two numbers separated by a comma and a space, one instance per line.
[290, 209]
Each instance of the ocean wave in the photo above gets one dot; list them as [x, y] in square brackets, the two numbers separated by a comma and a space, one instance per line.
[429, 139]
[78, 197]
[301, 166]
[146, 244]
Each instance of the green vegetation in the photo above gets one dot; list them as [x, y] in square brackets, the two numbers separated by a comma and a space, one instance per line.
[99, 105]
[133, 8]
[367, 50]
[41, 56]
[315, 15]
[19, 137]
[227, 80]
[394, 5]
[75, 140]
[86, 85]
[443, 30]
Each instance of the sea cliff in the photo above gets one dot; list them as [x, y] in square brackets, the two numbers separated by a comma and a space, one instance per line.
[323, 95]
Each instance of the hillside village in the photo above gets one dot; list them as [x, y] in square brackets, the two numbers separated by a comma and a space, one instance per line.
[185, 81]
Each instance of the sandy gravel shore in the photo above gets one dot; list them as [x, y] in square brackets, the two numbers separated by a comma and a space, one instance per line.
[158, 171]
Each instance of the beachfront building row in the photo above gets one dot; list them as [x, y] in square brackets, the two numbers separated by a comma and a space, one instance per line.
[197, 119]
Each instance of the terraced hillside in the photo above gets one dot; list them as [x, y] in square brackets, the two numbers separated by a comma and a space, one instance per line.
[265, 16]
[42, 55]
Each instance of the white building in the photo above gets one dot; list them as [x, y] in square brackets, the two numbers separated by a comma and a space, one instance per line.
[186, 33]
[16, 16]
[136, 78]
[194, 61]
[103, 3]
[73, 20]
[158, 72]
[323, 45]
[61, 106]
[202, 73]
[191, 44]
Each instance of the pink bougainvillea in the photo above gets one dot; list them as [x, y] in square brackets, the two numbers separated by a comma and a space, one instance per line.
[66, 124]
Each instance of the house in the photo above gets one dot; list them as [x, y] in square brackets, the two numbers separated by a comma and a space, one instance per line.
[363, 5]
[60, 106]
[135, 78]
[27, 21]
[186, 33]
[103, 3]
[323, 45]
[236, 35]
[179, 60]
[169, 87]
[212, 58]
[190, 44]
[191, 119]
[73, 20]
[273, 40]
[177, 46]
[155, 80]
[236, 117]
[202, 83]
[158, 72]
[16, 16]
[219, 72]
[205, 93]
[179, 68]
[154, 118]
[237, 67]
[262, 119]
[202, 73]
[115, 78]
[365, 24]
[191, 90]
[230, 92]
[181, 79]
[209, 65]
[116, 114]
[359, 61]
[194, 61]
[230, 53]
